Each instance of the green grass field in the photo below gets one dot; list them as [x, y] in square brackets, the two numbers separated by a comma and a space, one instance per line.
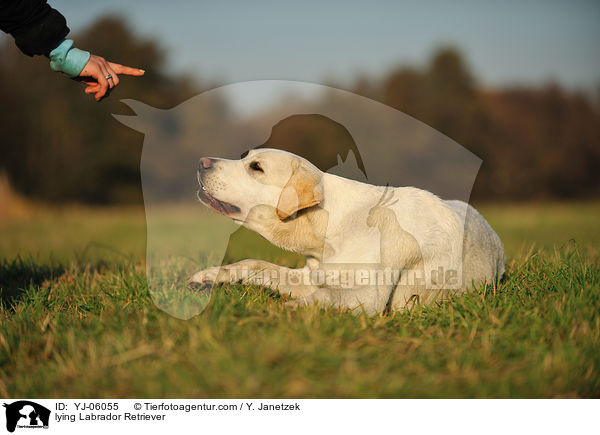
[77, 321]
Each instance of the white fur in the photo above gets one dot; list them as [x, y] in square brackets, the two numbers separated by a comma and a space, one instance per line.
[356, 227]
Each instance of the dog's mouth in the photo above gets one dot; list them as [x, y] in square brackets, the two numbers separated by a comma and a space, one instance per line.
[219, 206]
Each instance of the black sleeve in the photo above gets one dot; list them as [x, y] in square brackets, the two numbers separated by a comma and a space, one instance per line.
[36, 27]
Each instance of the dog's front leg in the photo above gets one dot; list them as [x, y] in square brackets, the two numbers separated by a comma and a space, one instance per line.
[291, 282]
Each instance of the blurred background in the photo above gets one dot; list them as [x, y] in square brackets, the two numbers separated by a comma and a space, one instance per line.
[516, 84]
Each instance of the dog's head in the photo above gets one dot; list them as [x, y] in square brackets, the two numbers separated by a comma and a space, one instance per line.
[262, 177]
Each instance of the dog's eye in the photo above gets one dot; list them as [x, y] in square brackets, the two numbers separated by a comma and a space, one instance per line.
[255, 166]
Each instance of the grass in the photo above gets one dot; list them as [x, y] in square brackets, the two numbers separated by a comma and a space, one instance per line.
[77, 321]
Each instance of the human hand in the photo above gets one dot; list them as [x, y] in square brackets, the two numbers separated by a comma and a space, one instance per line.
[100, 75]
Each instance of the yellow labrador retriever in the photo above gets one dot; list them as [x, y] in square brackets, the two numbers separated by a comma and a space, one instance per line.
[367, 247]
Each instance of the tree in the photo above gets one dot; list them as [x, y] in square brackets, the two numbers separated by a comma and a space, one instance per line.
[59, 145]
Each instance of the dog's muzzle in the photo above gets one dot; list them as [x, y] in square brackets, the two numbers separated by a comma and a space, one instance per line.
[225, 208]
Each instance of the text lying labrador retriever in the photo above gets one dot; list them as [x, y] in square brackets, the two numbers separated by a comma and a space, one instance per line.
[367, 247]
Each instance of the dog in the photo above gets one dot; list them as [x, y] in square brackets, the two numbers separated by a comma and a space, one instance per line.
[368, 248]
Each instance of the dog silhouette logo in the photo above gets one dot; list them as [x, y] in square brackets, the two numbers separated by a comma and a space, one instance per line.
[26, 414]
[338, 132]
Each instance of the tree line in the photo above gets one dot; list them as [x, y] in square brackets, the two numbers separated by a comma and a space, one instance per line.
[535, 142]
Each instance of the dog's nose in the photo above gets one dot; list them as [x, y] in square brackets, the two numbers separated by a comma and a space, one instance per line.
[205, 163]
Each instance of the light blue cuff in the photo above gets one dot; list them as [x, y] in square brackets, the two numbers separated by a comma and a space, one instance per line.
[67, 59]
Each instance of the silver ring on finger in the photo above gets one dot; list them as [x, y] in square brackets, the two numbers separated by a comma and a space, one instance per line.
[108, 77]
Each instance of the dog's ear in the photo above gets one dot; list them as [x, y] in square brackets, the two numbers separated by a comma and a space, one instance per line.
[304, 189]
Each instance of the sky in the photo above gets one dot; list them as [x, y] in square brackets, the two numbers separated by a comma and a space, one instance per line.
[505, 42]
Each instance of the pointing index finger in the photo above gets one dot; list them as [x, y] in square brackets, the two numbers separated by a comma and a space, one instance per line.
[121, 69]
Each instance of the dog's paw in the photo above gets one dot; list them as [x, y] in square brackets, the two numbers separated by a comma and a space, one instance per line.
[200, 286]
[204, 279]
[206, 275]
